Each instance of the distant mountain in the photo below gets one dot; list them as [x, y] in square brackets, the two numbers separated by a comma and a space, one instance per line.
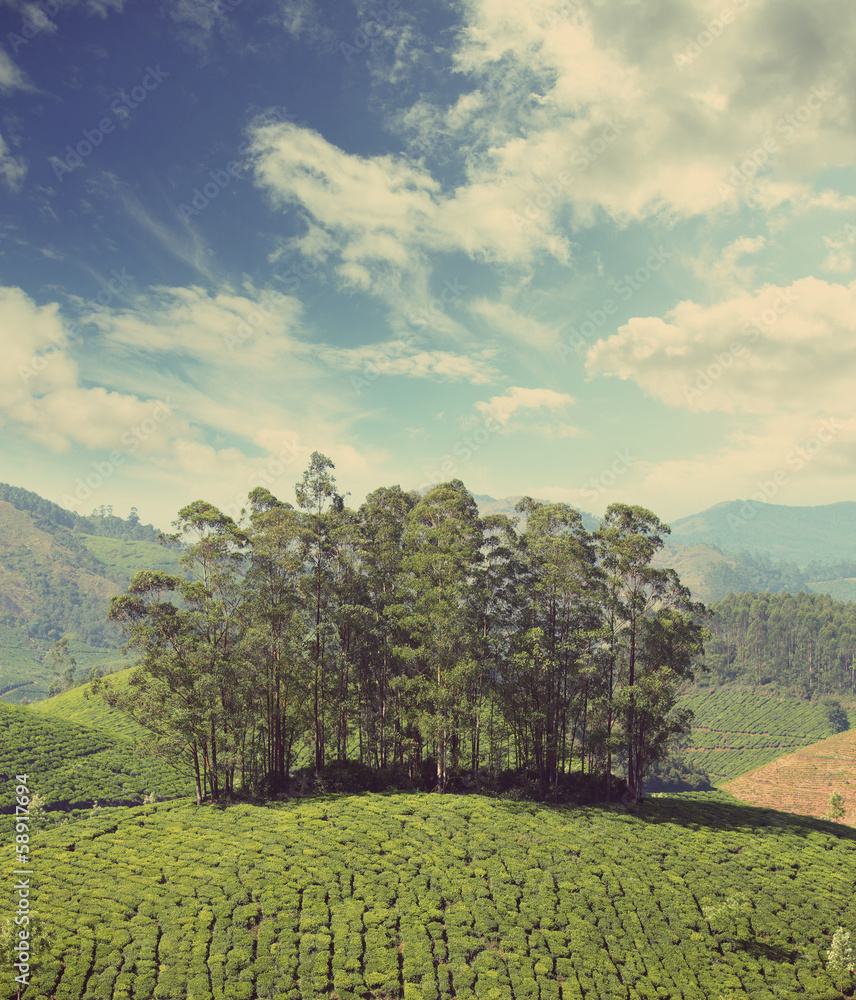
[58, 571]
[745, 545]
[796, 534]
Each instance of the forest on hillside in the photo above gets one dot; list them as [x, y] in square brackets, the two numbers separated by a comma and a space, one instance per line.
[801, 643]
[407, 636]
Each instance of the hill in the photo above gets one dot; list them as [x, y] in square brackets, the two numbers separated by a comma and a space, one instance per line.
[802, 782]
[58, 571]
[735, 731]
[798, 534]
[78, 706]
[430, 897]
[73, 766]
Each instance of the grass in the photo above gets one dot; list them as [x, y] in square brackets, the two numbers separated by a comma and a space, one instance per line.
[424, 897]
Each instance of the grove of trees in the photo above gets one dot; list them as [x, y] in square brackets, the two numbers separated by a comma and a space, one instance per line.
[409, 637]
[802, 643]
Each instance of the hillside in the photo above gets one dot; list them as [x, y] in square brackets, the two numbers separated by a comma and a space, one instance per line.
[735, 731]
[797, 534]
[802, 782]
[438, 897]
[78, 706]
[58, 571]
[73, 765]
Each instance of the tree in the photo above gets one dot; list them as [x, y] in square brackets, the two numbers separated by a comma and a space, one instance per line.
[380, 554]
[317, 495]
[191, 689]
[438, 613]
[841, 959]
[274, 622]
[836, 807]
[653, 637]
[555, 634]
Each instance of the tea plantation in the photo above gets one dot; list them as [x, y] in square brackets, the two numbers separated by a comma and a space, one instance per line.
[424, 897]
[734, 731]
[77, 765]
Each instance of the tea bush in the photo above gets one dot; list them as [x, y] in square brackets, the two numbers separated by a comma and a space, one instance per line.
[435, 897]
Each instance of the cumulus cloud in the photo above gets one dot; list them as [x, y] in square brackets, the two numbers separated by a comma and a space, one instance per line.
[508, 407]
[42, 395]
[781, 349]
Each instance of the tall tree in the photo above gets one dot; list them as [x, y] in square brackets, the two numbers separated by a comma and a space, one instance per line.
[439, 613]
[318, 497]
[274, 612]
[653, 635]
[191, 688]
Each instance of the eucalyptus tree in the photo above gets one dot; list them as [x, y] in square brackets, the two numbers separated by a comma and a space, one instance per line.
[381, 521]
[653, 637]
[274, 610]
[322, 507]
[191, 689]
[438, 613]
[558, 630]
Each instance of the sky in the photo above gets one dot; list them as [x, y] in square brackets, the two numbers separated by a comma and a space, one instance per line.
[592, 251]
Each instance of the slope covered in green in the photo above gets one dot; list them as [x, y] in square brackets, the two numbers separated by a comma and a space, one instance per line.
[72, 766]
[424, 897]
[735, 731]
[85, 709]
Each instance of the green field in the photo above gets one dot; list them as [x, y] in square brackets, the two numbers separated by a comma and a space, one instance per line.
[78, 705]
[123, 557]
[77, 765]
[424, 897]
[736, 731]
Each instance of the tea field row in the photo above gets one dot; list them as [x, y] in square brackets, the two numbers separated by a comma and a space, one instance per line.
[424, 897]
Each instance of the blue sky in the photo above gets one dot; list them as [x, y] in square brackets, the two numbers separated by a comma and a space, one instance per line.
[590, 251]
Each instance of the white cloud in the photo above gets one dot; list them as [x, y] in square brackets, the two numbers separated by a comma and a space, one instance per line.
[516, 400]
[515, 325]
[781, 349]
[399, 358]
[12, 77]
[13, 170]
[41, 392]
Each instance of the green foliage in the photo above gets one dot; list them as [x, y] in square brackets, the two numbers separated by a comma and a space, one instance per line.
[440, 897]
[798, 643]
[75, 764]
[735, 731]
[836, 806]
